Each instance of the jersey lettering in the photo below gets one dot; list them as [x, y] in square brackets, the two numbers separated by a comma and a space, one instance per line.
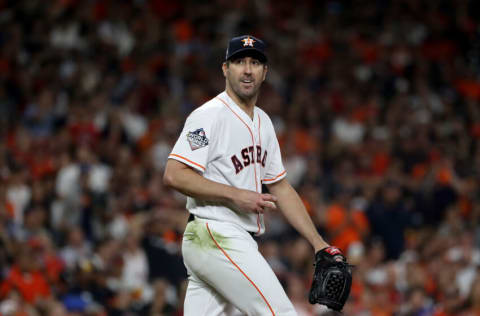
[246, 158]
[248, 154]
[264, 159]
[237, 164]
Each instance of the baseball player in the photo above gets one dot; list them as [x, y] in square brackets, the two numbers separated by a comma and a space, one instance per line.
[226, 151]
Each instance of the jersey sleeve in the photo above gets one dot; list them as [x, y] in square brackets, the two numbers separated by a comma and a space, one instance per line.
[195, 142]
[275, 171]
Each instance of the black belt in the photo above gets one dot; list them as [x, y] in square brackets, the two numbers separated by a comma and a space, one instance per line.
[192, 218]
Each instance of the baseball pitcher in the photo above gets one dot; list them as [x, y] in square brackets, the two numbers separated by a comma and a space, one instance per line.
[226, 151]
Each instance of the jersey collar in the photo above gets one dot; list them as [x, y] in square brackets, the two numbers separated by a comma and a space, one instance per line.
[238, 110]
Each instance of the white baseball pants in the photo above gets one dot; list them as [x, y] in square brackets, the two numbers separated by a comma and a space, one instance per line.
[227, 274]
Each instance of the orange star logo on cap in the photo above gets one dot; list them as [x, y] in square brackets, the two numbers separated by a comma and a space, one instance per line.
[248, 41]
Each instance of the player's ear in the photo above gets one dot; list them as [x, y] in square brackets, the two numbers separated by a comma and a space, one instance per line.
[265, 69]
[224, 68]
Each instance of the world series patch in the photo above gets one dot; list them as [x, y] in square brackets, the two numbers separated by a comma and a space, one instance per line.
[197, 139]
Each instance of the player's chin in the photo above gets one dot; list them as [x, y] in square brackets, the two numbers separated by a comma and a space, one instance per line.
[249, 92]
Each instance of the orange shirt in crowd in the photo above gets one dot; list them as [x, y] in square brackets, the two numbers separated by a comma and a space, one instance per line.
[342, 230]
[31, 286]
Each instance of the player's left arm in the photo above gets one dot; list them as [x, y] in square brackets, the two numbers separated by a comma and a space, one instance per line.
[295, 212]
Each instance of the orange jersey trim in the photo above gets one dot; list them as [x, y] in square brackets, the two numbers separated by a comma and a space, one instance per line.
[186, 159]
[251, 134]
[253, 143]
[239, 269]
[259, 125]
[281, 174]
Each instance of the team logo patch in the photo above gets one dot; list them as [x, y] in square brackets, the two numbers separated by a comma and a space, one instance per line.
[248, 41]
[197, 139]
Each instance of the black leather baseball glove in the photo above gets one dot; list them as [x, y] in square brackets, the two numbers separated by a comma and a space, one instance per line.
[332, 279]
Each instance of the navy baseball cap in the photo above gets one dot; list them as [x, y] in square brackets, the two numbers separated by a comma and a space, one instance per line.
[246, 45]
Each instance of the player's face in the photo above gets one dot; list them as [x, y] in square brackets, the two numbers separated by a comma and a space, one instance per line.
[245, 76]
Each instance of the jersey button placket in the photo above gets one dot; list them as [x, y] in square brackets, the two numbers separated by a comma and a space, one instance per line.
[256, 165]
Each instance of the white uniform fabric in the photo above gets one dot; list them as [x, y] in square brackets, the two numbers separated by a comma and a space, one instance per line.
[227, 273]
[221, 141]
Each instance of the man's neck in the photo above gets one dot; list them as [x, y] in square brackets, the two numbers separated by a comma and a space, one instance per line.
[247, 107]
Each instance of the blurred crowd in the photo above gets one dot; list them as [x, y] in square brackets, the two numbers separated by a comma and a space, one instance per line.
[376, 105]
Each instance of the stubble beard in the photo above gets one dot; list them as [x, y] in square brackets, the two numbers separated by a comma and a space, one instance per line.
[245, 96]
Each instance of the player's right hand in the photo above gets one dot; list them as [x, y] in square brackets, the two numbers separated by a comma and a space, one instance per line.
[250, 201]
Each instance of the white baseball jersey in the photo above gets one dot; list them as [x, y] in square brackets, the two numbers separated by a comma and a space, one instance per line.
[225, 145]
